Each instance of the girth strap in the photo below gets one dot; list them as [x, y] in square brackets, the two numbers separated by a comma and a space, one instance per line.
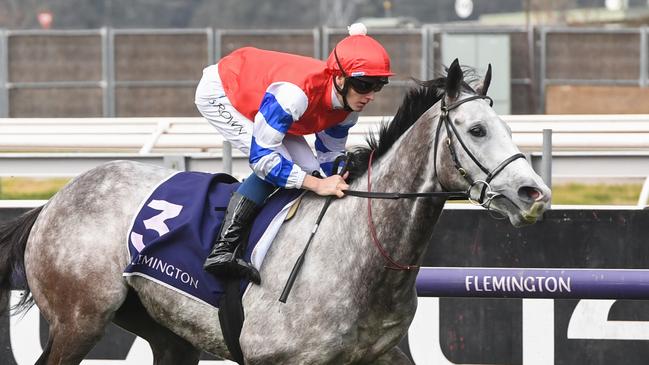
[231, 317]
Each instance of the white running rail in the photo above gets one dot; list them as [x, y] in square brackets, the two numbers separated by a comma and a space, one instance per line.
[185, 135]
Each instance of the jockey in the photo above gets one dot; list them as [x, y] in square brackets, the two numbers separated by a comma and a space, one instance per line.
[287, 96]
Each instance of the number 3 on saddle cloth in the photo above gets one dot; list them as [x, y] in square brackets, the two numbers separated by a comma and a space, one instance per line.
[175, 227]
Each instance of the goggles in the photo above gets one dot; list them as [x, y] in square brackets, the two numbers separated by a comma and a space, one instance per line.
[367, 84]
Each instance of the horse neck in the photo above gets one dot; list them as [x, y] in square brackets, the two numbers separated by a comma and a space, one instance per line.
[405, 226]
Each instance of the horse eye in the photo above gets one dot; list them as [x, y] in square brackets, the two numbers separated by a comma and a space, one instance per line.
[478, 131]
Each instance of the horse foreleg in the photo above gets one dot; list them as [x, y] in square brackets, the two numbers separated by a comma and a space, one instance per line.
[172, 350]
[393, 357]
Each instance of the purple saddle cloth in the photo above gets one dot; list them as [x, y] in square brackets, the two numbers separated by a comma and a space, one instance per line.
[173, 231]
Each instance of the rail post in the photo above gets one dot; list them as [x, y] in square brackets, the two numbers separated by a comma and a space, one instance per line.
[546, 159]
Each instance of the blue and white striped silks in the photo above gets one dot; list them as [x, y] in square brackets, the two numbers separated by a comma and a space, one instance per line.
[330, 143]
[283, 104]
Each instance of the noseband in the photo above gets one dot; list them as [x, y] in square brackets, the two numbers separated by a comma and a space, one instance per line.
[451, 131]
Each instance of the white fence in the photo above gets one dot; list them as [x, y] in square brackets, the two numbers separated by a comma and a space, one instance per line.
[185, 135]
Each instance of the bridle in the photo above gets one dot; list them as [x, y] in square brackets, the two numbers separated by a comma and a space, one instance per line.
[451, 131]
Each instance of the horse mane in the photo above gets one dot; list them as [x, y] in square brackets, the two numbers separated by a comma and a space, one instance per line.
[415, 102]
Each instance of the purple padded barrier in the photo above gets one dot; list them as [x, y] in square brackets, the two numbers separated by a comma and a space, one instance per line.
[533, 283]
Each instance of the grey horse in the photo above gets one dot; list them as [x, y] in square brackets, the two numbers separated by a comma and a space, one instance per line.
[345, 307]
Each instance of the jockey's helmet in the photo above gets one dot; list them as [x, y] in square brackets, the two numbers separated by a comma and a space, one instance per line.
[359, 55]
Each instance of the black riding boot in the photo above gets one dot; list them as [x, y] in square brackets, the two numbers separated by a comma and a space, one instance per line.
[225, 258]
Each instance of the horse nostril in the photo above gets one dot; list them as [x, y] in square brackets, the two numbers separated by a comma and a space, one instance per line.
[530, 193]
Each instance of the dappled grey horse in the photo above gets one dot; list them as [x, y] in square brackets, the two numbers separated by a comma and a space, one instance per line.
[346, 307]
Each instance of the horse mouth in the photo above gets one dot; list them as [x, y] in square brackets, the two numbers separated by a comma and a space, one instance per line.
[535, 211]
[519, 213]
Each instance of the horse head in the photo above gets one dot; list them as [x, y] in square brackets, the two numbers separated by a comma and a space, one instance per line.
[474, 151]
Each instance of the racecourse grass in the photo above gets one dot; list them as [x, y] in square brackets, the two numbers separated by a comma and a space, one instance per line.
[24, 188]
[588, 194]
[596, 194]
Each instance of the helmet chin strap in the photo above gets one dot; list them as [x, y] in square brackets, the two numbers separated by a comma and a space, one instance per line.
[343, 91]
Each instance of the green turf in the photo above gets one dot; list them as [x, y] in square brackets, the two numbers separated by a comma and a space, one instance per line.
[16, 188]
[593, 194]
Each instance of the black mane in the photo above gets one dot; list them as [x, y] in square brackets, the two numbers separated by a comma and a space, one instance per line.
[416, 101]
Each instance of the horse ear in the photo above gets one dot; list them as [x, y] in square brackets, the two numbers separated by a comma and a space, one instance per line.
[482, 90]
[454, 78]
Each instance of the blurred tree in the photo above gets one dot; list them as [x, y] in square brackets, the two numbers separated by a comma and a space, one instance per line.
[19, 13]
[339, 13]
[252, 14]
[83, 14]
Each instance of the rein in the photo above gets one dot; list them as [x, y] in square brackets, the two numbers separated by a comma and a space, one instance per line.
[393, 265]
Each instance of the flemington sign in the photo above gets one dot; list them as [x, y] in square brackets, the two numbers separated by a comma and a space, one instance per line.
[533, 283]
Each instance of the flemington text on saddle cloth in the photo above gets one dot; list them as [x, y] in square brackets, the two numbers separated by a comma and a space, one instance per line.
[173, 231]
